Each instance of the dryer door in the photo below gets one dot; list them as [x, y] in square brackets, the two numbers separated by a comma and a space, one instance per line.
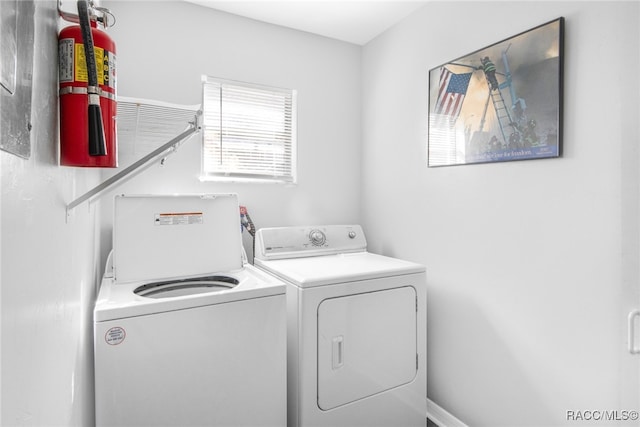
[366, 345]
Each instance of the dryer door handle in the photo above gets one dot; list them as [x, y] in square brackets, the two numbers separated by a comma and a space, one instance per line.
[633, 349]
[337, 352]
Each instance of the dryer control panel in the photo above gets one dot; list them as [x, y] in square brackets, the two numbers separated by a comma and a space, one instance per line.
[297, 242]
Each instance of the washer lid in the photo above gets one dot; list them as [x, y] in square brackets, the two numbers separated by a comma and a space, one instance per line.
[334, 269]
[159, 237]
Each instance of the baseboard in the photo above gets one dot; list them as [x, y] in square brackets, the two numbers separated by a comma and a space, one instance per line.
[441, 417]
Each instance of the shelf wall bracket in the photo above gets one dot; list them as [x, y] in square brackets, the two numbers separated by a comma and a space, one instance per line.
[138, 166]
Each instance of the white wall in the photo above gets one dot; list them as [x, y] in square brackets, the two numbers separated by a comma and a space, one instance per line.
[161, 57]
[532, 266]
[49, 266]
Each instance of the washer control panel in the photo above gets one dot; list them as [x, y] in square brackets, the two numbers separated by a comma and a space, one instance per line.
[296, 242]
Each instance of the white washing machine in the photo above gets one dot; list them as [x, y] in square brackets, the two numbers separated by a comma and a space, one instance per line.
[185, 333]
[356, 328]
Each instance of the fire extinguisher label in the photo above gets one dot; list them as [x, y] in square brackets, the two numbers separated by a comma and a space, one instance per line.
[73, 64]
[65, 54]
[81, 64]
[109, 69]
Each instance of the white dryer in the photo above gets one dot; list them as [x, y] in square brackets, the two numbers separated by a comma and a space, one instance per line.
[185, 334]
[356, 328]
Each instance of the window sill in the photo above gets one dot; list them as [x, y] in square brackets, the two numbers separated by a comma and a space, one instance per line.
[245, 180]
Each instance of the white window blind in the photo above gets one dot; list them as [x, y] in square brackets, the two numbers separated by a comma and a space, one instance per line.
[249, 132]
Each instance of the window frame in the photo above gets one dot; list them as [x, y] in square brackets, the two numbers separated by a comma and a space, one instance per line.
[277, 140]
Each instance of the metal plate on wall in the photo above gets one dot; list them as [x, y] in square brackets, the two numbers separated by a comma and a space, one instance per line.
[16, 75]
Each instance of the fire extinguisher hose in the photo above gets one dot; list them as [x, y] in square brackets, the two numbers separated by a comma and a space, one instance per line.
[97, 146]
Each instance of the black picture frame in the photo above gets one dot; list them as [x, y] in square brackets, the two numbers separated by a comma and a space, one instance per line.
[499, 103]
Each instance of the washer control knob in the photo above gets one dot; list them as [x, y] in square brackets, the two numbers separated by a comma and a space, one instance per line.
[317, 237]
[352, 234]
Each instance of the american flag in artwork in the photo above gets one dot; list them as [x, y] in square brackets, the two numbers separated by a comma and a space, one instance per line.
[451, 91]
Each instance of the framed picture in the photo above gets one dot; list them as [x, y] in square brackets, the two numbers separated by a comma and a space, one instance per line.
[500, 103]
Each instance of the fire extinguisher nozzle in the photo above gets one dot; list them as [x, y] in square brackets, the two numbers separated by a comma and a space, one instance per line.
[97, 146]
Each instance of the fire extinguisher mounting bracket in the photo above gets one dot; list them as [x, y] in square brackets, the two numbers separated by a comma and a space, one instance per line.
[106, 18]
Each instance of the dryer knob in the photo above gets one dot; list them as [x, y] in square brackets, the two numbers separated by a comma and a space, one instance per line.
[317, 238]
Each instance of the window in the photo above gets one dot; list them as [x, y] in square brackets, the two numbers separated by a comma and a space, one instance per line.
[249, 132]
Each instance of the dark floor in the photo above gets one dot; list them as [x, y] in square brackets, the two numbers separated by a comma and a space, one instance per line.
[431, 423]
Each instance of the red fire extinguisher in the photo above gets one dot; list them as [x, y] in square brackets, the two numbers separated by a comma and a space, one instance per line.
[87, 92]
